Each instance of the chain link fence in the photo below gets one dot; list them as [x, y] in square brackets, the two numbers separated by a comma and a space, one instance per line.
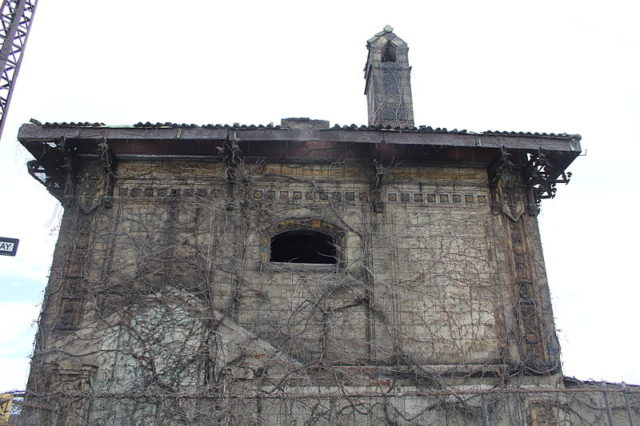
[593, 405]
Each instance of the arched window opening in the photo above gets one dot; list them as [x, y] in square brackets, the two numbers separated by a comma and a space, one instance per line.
[303, 246]
[389, 53]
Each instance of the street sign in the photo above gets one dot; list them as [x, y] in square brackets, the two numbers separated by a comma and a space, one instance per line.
[8, 246]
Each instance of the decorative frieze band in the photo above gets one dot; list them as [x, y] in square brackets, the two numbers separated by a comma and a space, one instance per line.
[402, 197]
[317, 195]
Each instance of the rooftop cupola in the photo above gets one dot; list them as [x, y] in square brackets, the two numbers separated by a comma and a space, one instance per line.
[388, 86]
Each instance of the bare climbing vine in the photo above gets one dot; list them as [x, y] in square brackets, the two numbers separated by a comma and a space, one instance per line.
[165, 307]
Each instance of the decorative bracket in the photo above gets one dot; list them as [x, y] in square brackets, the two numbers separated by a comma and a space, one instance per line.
[519, 183]
[55, 169]
[541, 176]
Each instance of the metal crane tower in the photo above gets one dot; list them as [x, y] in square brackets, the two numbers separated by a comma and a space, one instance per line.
[15, 21]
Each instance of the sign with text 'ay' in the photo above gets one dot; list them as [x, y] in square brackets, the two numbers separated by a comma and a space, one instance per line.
[8, 246]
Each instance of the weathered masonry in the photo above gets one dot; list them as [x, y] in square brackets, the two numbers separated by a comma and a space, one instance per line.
[303, 273]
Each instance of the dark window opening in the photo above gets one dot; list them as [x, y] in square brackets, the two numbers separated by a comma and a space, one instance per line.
[389, 53]
[303, 246]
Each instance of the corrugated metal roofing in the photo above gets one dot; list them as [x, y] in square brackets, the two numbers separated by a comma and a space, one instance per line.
[419, 129]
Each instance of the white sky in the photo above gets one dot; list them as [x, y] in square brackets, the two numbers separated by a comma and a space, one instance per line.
[562, 66]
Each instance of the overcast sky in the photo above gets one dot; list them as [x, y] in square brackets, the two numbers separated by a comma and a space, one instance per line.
[562, 66]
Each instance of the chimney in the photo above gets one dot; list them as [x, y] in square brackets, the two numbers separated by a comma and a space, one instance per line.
[388, 84]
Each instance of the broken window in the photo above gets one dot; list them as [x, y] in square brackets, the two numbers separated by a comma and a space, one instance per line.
[303, 246]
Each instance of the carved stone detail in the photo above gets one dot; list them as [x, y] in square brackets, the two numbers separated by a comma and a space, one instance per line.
[92, 187]
[510, 196]
[532, 339]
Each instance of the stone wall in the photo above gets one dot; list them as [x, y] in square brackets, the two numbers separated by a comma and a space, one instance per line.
[168, 286]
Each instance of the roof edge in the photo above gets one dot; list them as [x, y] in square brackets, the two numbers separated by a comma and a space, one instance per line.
[237, 126]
